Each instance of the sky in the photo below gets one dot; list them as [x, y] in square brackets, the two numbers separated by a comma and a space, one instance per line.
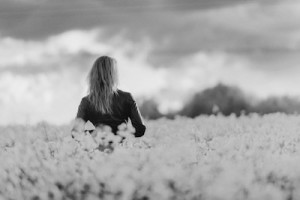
[165, 49]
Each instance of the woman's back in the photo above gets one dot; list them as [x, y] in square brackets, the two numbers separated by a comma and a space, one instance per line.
[123, 107]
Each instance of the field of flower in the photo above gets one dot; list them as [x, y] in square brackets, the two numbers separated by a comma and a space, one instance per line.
[207, 158]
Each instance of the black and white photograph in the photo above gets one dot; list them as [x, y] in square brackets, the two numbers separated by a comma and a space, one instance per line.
[149, 99]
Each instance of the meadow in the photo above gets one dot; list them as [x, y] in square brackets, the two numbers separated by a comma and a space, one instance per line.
[207, 158]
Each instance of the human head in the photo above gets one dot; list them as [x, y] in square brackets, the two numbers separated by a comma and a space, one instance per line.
[103, 80]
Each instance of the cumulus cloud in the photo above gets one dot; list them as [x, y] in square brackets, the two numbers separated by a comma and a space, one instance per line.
[196, 20]
[177, 29]
[29, 99]
[21, 52]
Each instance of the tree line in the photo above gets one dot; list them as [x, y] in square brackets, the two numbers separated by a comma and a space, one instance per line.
[226, 100]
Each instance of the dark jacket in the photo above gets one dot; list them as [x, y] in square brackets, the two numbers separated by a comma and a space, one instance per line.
[124, 107]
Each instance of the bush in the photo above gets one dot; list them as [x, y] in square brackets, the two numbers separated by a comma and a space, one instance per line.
[278, 104]
[219, 99]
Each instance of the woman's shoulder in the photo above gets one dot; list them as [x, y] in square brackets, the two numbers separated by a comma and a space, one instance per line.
[85, 100]
[125, 96]
[124, 93]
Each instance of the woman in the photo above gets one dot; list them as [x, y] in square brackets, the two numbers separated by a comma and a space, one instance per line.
[105, 104]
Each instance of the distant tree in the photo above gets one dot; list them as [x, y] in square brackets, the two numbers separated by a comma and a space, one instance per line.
[287, 105]
[149, 109]
[225, 100]
[219, 99]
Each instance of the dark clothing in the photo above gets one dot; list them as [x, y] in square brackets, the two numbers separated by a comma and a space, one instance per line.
[124, 107]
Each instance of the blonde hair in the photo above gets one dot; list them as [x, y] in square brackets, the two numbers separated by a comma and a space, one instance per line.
[103, 80]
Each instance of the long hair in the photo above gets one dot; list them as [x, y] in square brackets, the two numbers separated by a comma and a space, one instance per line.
[103, 80]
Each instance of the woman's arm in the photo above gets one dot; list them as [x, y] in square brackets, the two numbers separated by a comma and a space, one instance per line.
[78, 126]
[136, 118]
[81, 118]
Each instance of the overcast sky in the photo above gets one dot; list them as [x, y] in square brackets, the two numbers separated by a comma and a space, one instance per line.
[166, 49]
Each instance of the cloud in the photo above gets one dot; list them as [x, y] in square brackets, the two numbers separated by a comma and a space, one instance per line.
[176, 28]
[246, 30]
[152, 17]
[29, 99]
[21, 52]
